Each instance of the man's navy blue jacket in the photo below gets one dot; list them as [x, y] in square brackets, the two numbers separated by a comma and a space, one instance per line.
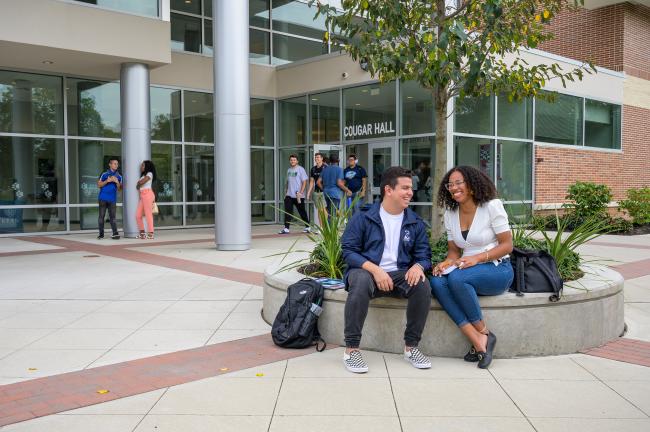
[363, 240]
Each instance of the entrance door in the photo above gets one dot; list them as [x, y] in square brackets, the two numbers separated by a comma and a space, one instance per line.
[381, 155]
[327, 151]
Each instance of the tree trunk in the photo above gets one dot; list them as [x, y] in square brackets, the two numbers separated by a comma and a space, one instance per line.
[437, 225]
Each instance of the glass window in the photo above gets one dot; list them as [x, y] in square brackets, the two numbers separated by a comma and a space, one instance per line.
[369, 111]
[199, 172]
[85, 218]
[143, 7]
[293, 121]
[514, 170]
[602, 124]
[515, 119]
[262, 212]
[208, 47]
[26, 220]
[31, 103]
[185, 33]
[165, 114]
[296, 17]
[287, 49]
[207, 8]
[93, 108]
[169, 215]
[261, 122]
[476, 152]
[418, 114]
[475, 115]
[259, 46]
[559, 122]
[325, 117]
[167, 159]
[199, 118]
[202, 214]
[189, 6]
[424, 211]
[418, 155]
[262, 175]
[87, 160]
[259, 13]
[32, 171]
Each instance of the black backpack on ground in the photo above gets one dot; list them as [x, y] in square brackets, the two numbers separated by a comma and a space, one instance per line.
[535, 272]
[296, 325]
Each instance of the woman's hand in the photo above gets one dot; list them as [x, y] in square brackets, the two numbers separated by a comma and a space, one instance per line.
[469, 261]
[438, 269]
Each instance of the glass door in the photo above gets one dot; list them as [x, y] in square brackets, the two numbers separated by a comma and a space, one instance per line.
[327, 151]
[381, 155]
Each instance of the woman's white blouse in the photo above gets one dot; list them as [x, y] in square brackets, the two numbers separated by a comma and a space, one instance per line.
[490, 219]
[146, 185]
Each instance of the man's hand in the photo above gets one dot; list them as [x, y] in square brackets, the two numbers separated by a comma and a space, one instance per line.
[414, 275]
[468, 261]
[382, 279]
[348, 193]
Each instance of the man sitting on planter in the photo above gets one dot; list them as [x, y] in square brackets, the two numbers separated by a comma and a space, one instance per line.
[386, 249]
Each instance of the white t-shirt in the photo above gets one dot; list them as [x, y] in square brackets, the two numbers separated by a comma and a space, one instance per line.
[392, 228]
[490, 219]
[147, 185]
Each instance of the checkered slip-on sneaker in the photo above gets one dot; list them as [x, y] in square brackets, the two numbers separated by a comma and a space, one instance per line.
[417, 359]
[354, 362]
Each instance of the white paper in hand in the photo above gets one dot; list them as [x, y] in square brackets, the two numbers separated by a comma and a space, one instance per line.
[449, 269]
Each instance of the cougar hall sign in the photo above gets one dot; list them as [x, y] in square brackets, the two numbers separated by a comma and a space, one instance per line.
[363, 130]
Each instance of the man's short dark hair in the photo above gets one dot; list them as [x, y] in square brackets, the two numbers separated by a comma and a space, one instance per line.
[293, 156]
[353, 156]
[334, 158]
[111, 159]
[318, 154]
[390, 176]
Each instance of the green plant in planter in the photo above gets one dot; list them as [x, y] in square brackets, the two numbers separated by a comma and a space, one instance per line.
[326, 258]
[637, 205]
[438, 248]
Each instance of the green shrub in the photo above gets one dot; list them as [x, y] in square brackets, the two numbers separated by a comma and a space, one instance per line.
[621, 225]
[588, 201]
[438, 249]
[637, 205]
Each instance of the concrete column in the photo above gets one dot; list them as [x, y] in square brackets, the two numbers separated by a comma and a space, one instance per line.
[232, 188]
[136, 136]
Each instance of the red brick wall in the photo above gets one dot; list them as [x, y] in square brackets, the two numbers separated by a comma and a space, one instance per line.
[616, 37]
[637, 41]
[595, 35]
[562, 166]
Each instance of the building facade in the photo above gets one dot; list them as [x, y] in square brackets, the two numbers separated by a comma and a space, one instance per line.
[62, 110]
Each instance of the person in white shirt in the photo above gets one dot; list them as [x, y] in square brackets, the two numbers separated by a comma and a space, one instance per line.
[477, 263]
[147, 198]
[386, 249]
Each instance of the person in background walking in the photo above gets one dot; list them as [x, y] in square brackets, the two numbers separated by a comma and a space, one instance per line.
[294, 194]
[331, 181]
[147, 198]
[314, 175]
[356, 180]
[109, 183]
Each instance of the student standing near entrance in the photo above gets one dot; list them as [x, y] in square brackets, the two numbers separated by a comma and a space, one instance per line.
[147, 198]
[294, 194]
[109, 183]
[331, 181]
[314, 175]
[356, 180]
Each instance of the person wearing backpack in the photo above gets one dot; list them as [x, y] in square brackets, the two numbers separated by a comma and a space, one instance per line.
[477, 262]
[386, 249]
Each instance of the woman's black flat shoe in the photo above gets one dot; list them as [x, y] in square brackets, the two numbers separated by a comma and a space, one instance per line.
[485, 358]
[471, 356]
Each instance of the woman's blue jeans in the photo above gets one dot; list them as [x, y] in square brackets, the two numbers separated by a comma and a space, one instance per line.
[458, 291]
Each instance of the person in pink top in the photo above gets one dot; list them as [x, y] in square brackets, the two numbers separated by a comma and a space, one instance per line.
[147, 198]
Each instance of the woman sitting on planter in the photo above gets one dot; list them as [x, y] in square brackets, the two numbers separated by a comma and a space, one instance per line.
[477, 260]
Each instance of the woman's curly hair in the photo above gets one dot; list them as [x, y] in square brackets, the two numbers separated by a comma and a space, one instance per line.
[480, 184]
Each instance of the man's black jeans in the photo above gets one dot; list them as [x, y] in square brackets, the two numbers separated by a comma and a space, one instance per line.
[111, 206]
[362, 288]
[289, 203]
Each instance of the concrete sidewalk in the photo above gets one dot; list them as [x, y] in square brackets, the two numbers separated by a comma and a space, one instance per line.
[69, 304]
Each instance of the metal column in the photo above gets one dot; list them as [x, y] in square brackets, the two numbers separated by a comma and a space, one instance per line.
[136, 136]
[232, 188]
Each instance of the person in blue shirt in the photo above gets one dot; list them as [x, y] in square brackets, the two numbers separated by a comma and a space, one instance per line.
[356, 180]
[109, 183]
[332, 183]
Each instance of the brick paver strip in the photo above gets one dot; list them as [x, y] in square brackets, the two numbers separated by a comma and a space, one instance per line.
[624, 350]
[50, 395]
[634, 269]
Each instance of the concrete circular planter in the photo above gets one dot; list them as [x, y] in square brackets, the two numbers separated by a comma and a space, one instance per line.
[589, 314]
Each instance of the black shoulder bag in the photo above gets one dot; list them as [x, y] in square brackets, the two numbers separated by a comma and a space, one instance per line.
[535, 272]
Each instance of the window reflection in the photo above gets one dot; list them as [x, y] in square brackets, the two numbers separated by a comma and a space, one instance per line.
[93, 108]
[199, 121]
[165, 114]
